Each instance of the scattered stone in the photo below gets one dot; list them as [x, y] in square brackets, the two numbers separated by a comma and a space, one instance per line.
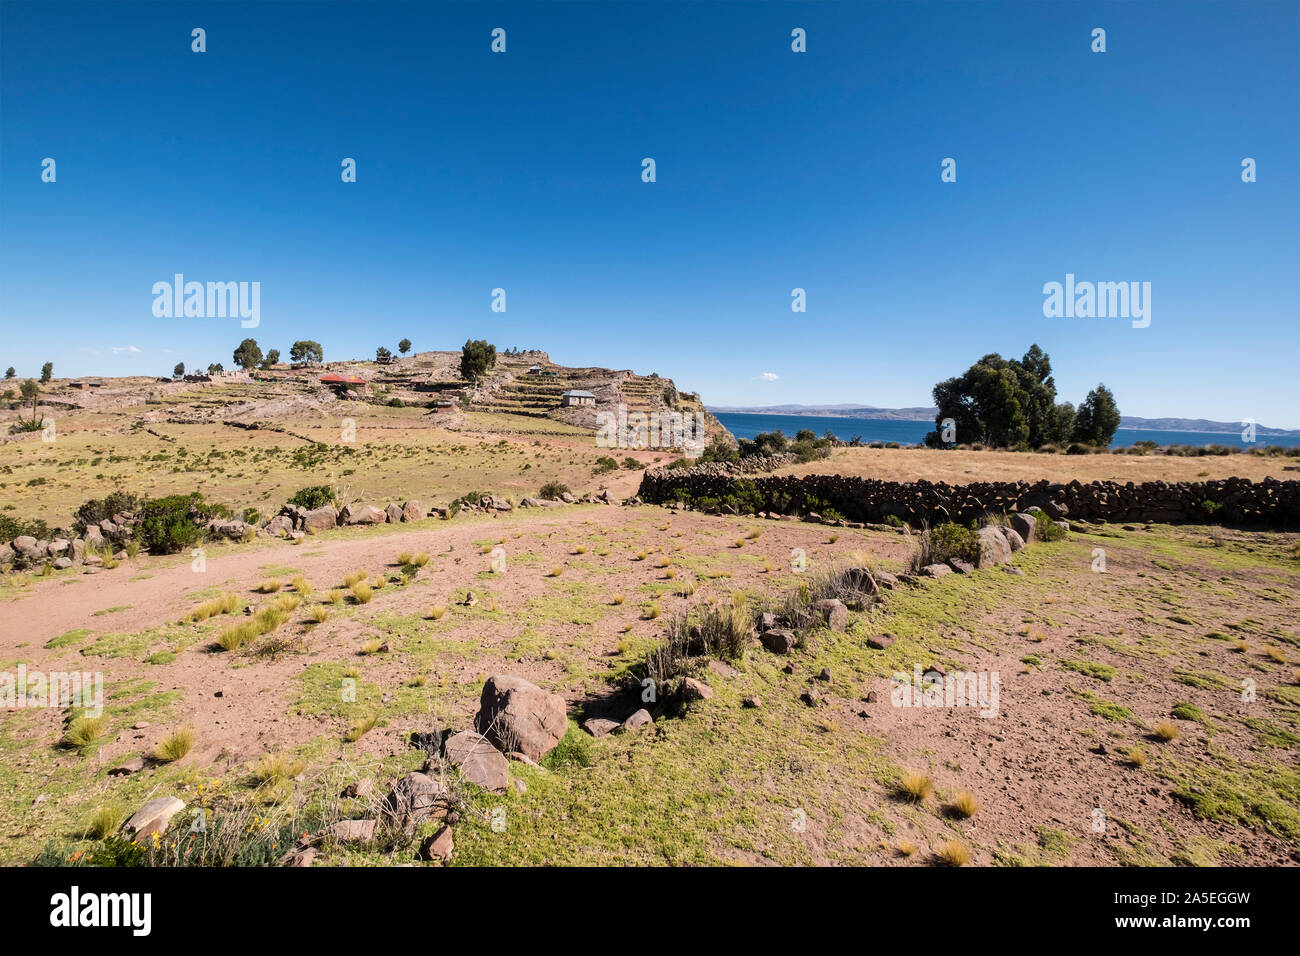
[693, 689]
[128, 767]
[478, 760]
[811, 697]
[1010, 570]
[393, 512]
[881, 641]
[415, 798]
[438, 847]
[522, 758]
[788, 668]
[637, 720]
[304, 856]
[873, 697]
[520, 787]
[322, 519]
[471, 599]
[519, 715]
[936, 570]
[599, 727]
[778, 641]
[767, 621]
[833, 612]
[960, 566]
[752, 702]
[359, 788]
[140, 725]
[722, 669]
[361, 514]
[1024, 525]
[886, 580]
[1014, 539]
[154, 816]
[354, 831]
[825, 674]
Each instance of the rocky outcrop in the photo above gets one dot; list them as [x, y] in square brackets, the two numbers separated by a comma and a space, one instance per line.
[518, 715]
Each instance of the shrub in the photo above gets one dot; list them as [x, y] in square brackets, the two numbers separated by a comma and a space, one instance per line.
[604, 465]
[553, 489]
[948, 540]
[1045, 529]
[954, 853]
[963, 804]
[105, 821]
[172, 524]
[316, 496]
[914, 786]
[84, 731]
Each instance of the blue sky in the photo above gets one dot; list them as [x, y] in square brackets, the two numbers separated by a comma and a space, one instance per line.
[775, 170]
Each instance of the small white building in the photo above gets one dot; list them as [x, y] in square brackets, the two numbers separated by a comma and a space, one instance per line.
[577, 396]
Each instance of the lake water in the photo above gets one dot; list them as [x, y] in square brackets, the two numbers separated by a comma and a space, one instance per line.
[908, 433]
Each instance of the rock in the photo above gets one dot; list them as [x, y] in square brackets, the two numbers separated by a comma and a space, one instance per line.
[93, 537]
[304, 856]
[752, 702]
[7, 554]
[861, 579]
[128, 767]
[471, 599]
[279, 526]
[873, 697]
[523, 758]
[359, 788]
[599, 727]
[639, 719]
[154, 816]
[140, 725]
[767, 621]
[361, 514]
[93, 561]
[825, 674]
[520, 787]
[438, 847]
[1043, 501]
[62, 564]
[354, 831]
[1010, 570]
[935, 570]
[994, 548]
[494, 503]
[322, 519]
[1024, 525]
[722, 669]
[693, 689]
[538, 503]
[59, 547]
[1013, 538]
[518, 715]
[478, 760]
[811, 697]
[393, 513]
[414, 799]
[1063, 525]
[778, 641]
[881, 641]
[833, 612]
[960, 566]
[412, 511]
[567, 498]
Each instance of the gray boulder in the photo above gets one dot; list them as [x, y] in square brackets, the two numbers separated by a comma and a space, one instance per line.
[994, 547]
[518, 715]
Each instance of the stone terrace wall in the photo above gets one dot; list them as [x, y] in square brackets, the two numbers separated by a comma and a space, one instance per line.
[1270, 502]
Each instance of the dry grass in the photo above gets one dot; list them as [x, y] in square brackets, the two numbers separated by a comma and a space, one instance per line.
[268, 587]
[105, 821]
[437, 611]
[362, 592]
[963, 804]
[1165, 731]
[954, 853]
[226, 604]
[176, 745]
[915, 786]
[360, 728]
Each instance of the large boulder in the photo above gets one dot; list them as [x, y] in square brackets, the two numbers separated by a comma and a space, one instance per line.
[478, 760]
[361, 514]
[7, 554]
[412, 511]
[393, 512]
[833, 612]
[779, 640]
[1013, 538]
[518, 715]
[282, 525]
[93, 537]
[1024, 525]
[1046, 503]
[322, 519]
[994, 547]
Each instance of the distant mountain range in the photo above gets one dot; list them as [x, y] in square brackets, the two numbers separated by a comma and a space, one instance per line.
[927, 415]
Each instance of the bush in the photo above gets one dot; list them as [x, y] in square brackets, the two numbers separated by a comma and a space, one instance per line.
[1045, 529]
[172, 524]
[96, 510]
[604, 465]
[948, 540]
[316, 496]
[553, 489]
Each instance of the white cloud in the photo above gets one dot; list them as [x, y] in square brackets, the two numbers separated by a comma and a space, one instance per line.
[118, 349]
[769, 376]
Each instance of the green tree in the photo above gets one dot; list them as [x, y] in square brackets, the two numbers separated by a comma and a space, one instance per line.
[1062, 423]
[306, 351]
[47, 372]
[383, 355]
[1098, 418]
[272, 358]
[10, 373]
[216, 367]
[179, 370]
[31, 393]
[986, 404]
[476, 357]
[248, 354]
[404, 346]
